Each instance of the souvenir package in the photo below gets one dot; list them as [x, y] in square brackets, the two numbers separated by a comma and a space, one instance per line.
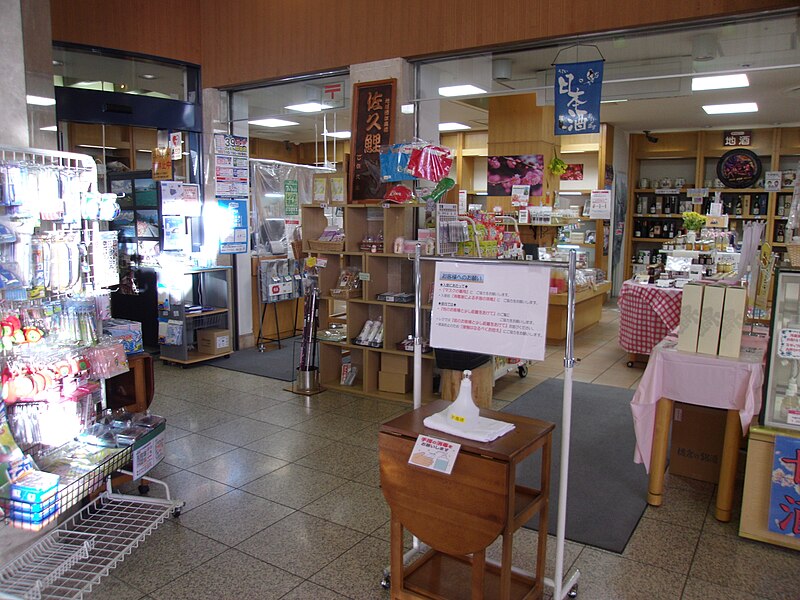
[430, 162]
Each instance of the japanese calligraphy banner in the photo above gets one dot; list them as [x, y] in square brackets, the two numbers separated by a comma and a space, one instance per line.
[784, 501]
[373, 127]
[578, 89]
[491, 309]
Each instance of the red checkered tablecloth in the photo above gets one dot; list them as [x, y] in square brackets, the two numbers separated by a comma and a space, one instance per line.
[646, 315]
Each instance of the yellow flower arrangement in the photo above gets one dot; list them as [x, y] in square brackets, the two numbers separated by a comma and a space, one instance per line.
[693, 221]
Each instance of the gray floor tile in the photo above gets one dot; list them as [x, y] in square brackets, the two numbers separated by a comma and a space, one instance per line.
[681, 507]
[607, 576]
[201, 417]
[294, 485]
[357, 573]
[524, 550]
[232, 574]
[308, 590]
[237, 467]
[366, 437]
[245, 382]
[353, 505]
[172, 433]
[245, 404]
[284, 414]
[301, 544]
[289, 444]
[234, 517]
[663, 544]
[191, 488]
[170, 552]
[112, 588]
[369, 409]
[342, 460]
[747, 566]
[242, 431]
[370, 477]
[193, 449]
[331, 426]
[167, 406]
[697, 589]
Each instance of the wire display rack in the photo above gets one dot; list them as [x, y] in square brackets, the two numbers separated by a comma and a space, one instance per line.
[72, 559]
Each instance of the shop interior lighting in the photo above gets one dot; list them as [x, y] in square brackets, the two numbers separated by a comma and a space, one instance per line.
[97, 147]
[613, 101]
[730, 109]
[720, 82]
[339, 135]
[451, 91]
[570, 193]
[49, 128]
[40, 100]
[148, 76]
[453, 127]
[273, 123]
[407, 109]
[307, 107]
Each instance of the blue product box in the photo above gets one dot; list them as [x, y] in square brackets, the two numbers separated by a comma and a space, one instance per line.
[128, 332]
[34, 486]
[27, 508]
[34, 521]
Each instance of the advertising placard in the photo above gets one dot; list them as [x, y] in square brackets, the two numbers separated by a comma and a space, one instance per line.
[148, 455]
[483, 308]
[784, 500]
[233, 240]
[577, 97]
[373, 127]
[600, 204]
[290, 197]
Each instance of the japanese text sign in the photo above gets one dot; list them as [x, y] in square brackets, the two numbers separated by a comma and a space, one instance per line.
[233, 225]
[600, 204]
[577, 97]
[491, 309]
[784, 504]
[789, 343]
[373, 127]
[435, 454]
[737, 138]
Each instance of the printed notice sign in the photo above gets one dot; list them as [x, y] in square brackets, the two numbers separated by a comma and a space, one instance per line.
[435, 454]
[148, 456]
[600, 207]
[784, 499]
[492, 309]
[789, 343]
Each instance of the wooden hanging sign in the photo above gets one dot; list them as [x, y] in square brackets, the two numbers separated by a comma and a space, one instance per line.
[373, 127]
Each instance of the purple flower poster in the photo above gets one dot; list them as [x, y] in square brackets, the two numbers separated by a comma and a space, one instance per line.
[507, 171]
[784, 501]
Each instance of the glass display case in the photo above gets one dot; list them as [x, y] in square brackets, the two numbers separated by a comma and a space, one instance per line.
[781, 406]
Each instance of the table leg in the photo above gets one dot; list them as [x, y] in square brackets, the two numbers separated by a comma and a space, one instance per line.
[658, 454]
[478, 571]
[396, 558]
[727, 470]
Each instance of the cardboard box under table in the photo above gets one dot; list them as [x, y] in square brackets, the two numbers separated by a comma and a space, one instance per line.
[696, 442]
[213, 341]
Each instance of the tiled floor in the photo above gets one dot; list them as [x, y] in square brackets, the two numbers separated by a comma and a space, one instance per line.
[283, 501]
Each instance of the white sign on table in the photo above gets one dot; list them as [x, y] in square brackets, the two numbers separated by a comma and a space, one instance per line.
[148, 455]
[435, 454]
[491, 309]
[600, 204]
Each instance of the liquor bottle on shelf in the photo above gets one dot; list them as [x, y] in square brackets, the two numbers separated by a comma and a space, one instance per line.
[780, 233]
[738, 209]
[668, 204]
[781, 206]
[755, 206]
[656, 230]
[637, 228]
[650, 230]
[653, 206]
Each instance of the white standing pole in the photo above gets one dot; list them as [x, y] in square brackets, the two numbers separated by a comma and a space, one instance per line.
[417, 327]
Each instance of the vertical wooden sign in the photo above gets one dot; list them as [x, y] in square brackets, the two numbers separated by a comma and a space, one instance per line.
[373, 127]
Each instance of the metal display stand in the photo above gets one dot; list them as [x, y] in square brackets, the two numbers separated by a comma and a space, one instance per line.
[561, 587]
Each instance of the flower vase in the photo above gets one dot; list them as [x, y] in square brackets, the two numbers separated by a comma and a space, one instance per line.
[691, 238]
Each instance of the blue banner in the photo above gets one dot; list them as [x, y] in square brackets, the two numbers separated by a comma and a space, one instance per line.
[232, 225]
[784, 501]
[578, 88]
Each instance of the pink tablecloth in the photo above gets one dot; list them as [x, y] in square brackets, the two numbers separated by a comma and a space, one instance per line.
[647, 313]
[697, 379]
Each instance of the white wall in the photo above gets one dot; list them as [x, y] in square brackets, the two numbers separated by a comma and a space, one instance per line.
[14, 129]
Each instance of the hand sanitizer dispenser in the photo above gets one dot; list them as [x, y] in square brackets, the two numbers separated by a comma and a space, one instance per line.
[463, 413]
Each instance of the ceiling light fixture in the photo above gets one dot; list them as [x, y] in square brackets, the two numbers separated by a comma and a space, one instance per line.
[451, 91]
[613, 101]
[453, 127]
[307, 107]
[148, 76]
[49, 128]
[339, 135]
[570, 193]
[97, 147]
[57, 63]
[39, 100]
[720, 82]
[273, 123]
[729, 109]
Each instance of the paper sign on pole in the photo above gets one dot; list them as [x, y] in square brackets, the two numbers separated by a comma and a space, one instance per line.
[176, 145]
[600, 207]
[483, 308]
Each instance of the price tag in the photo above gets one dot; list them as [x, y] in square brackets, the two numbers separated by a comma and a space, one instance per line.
[363, 276]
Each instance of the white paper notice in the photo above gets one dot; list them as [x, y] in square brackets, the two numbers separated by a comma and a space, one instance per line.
[148, 456]
[600, 207]
[435, 454]
[491, 309]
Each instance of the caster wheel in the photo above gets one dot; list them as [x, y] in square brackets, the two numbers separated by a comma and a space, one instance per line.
[386, 582]
[573, 593]
[630, 364]
[523, 371]
[176, 512]
[144, 489]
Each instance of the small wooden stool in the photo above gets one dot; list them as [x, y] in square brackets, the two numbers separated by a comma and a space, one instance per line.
[482, 384]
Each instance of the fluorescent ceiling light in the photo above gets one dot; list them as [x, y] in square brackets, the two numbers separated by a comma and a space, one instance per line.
[460, 90]
[307, 107]
[719, 82]
[728, 109]
[148, 76]
[143, 150]
[339, 135]
[49, 128]
[453, 127]
[570, 193]
[40, 100]
[97, 147]
[273, 123]
[407, 109]
[613, 101]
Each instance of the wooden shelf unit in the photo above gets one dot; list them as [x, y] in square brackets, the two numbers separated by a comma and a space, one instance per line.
[693, 155]
[387, 272]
